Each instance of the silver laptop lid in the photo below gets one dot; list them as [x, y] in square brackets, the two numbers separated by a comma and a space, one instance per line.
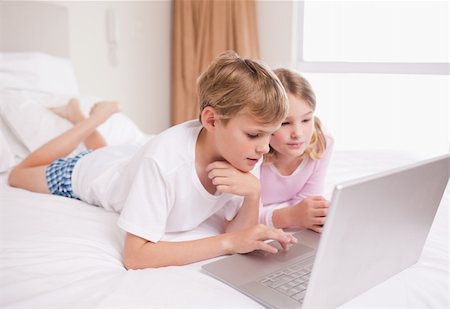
[385, 218]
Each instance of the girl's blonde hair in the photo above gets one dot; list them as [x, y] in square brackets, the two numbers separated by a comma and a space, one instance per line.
[231, 84]
[298, 86]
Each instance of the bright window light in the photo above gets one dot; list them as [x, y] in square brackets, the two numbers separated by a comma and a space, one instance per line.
[376, 31]
[371, 111]
[380, 70]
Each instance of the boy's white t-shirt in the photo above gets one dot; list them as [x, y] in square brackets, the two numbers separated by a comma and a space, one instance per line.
[155, 188]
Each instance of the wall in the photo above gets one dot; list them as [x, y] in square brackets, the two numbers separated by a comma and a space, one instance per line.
[276, 34]
[139, 75]
[140, 78]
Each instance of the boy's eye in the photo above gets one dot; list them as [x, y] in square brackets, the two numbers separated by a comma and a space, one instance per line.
[253, 135]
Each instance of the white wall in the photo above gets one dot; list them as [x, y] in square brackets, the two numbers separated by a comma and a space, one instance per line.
[276, 34]
[140, 79]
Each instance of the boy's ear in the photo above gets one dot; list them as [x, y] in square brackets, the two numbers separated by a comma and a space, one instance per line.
[209, 118]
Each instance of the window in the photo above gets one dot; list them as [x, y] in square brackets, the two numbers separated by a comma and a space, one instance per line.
[380, 70]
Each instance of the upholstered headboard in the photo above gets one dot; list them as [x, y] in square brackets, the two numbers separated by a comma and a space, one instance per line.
[32, 26]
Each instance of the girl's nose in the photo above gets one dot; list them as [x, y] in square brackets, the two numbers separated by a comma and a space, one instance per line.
[296, 132]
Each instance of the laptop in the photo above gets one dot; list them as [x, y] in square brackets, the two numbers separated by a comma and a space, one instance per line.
[376, 227]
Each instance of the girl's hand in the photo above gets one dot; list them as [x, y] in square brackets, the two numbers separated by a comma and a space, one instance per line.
[253, 238]
[228, 179]
[310, 213]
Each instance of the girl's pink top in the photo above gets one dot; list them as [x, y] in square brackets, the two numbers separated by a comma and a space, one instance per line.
[279, 191]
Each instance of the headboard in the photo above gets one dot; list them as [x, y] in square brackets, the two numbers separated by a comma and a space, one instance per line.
[32, 26]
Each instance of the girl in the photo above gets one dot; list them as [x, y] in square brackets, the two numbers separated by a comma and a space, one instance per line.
[293, 175]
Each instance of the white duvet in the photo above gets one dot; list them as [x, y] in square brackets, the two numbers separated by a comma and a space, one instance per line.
[62, 253]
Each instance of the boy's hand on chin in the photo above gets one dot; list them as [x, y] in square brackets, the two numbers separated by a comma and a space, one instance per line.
[229, 179]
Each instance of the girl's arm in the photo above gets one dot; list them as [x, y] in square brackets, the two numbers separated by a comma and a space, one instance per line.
[140, 253]
[308, 209]
[309, 213]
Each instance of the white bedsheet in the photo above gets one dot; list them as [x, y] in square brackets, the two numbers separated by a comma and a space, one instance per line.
[62, 253]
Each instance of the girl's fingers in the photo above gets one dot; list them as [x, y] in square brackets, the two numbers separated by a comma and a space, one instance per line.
[320, 212]
[319, 220]
[317, 197]
[317, 228]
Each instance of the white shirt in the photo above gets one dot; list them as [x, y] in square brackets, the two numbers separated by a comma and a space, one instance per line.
[156, 188]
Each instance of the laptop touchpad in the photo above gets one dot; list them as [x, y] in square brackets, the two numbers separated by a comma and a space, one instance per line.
[294, 252]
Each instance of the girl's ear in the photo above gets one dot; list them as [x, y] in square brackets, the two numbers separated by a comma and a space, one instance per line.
[209, 118]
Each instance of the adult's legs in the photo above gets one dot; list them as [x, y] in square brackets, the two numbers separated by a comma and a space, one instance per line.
[30, 173]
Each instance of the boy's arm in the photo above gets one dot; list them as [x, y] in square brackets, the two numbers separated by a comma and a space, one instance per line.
[228, 179]
[141, 253]
[247, 215]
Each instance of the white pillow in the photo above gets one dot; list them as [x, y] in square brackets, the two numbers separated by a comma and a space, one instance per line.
[6, 156]
[14, 144]
[34, 125]
[38, 72]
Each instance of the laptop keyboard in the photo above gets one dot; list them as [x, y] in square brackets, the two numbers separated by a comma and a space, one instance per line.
[291, 281]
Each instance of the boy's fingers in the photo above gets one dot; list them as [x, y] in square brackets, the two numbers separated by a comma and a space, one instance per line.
[217, 165]
[280, 236]
[216, 173]
[219, 180]
[266, 247]
[224, 189]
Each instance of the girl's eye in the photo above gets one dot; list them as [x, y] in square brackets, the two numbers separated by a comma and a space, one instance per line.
[285, 123]
[306, 120]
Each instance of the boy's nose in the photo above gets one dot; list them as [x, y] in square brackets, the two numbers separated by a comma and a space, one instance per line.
[263, 148]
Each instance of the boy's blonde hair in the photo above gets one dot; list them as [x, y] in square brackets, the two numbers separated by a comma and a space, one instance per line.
[298, 86]
[231, 84]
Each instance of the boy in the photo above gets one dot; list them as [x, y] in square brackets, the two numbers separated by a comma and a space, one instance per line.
[182, 176]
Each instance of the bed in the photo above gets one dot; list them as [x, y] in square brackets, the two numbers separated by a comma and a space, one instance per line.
[63, 253]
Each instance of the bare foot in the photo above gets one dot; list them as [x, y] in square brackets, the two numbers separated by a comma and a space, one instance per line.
[104, 109]
[71, 111]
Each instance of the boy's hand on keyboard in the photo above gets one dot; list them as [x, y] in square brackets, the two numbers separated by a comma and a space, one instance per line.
[254, 238]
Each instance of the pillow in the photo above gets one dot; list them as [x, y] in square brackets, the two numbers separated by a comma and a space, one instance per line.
[34, 125]
[38, 72]
[14, 144]
[7, 158]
